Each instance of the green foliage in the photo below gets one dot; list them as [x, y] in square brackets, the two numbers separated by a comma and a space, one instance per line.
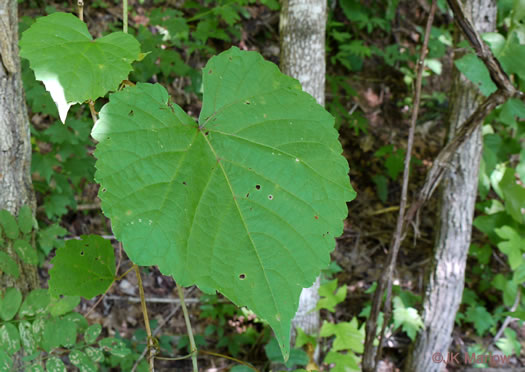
[297, 356]
[55, 43]
[230, 327]
[10, 303]
[407, 318]
[222, 164]
[348, 339]
[331, 295]
[83, 267]
[16, 233]
[40, 324]
[348, 336]
[475, 70]
[61, 164]
[243, 138]
[481, 319]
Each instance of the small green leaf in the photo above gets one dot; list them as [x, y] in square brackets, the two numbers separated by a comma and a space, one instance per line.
[298, 357]
[331, 295]
[483, 253]
[513, 55]
[74, 67]
[115, 346]
[481, 319]
[9, 338]
[61, 306]
[10, 304]
[26, 252]
[78, 319]
[381, 186]
[82, 361]
[347, 335]
[58, 332]
[36, 302]
[91, 334]
[48, 238]
[516, 314]
[514, 195]
[27, 337]
[25, 219]
[38, 328]
[302, 339]
[509, 344]
[406, 317]
[94, 354]
[35, 368]
[6, 362]
[343, 362]
[8, 265]
[54, 364]
[83, 267]
[9, 224]
[512, 245]
[476, 71]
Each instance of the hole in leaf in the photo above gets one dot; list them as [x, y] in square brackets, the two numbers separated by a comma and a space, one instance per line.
[206, 133]
[248, 195]
[81, 253]
[104, 190]
[184, 183]
[258, 187]
[242, 276]
[270, 197]
[131, 113]
[247, 102]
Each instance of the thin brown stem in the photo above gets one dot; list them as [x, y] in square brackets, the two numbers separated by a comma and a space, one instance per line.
[107, 290]
[369, 362]
[151, 347]
[230, 358]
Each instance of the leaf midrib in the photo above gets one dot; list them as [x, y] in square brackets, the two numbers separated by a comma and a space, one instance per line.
[244, 223]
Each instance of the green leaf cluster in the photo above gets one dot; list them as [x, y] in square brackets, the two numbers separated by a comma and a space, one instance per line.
[16, 232]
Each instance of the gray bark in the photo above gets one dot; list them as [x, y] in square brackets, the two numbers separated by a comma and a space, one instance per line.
[15, 144]
[302, 30]
[458, 196]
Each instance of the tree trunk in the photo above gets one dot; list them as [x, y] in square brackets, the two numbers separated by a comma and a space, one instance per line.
[302, 31]
[15, 143]
[458, 196]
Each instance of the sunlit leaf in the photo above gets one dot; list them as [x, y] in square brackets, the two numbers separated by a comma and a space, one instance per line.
[72, 66]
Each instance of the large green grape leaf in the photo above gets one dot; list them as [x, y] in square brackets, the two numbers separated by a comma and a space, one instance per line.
[72, 66]
[247, 201]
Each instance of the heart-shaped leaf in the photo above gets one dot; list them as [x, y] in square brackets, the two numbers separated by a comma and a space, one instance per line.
[72, 66]
[247, 201]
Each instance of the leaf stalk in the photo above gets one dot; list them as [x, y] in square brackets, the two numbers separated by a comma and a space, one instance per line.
[188, 327]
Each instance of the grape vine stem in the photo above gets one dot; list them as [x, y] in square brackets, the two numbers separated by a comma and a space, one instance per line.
[151, 347]
[188, 327]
